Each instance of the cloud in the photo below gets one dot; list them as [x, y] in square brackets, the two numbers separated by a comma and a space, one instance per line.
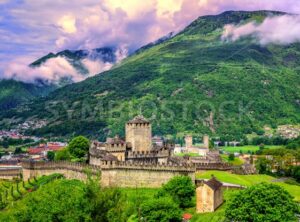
[59, 25]
[279, 30]
[96, 67]
[67, 23]
[52, 71]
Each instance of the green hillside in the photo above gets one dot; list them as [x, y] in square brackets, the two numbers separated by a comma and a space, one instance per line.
[193, 82]
[13, 93]
[249, 180]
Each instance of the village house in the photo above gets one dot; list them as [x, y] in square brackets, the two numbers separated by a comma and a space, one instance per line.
[40, 152]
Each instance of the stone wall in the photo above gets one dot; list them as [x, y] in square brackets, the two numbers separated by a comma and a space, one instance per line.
[117, 174]
[213, 166]
[10, 173]
[142, 175]
[69, 170]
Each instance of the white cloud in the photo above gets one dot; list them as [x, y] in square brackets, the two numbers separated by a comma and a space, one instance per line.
[67, 23]
[96, 67]
[53, 70]
[279, 30]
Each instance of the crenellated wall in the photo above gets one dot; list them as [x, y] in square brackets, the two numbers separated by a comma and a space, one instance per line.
[69, 170]
[10, 173]
[117, 174]
[142, 174]
[213, 166]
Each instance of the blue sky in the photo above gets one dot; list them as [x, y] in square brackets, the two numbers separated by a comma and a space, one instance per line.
[30, 29]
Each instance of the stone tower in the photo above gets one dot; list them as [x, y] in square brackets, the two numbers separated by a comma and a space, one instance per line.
[206, 141]
[139, 134]
[188, 141]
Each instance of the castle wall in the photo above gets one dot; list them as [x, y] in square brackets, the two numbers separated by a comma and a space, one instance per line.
[118, 174]
[10, 173]
[139, 135]
[135, 177]
[69, 170]
[93, 160]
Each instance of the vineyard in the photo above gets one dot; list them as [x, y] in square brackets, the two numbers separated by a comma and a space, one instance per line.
[14, 190]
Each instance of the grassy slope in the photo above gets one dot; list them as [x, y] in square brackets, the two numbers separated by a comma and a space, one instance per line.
[237, 161]
[175, 78]
[248, 180]
[245, 149]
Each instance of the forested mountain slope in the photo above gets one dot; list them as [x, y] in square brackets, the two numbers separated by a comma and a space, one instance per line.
[193, 82]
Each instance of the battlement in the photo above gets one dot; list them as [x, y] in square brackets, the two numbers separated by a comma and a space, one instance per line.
[148, 154]
[213, 166]
[10, 172]
[79, 167]
[189, 168]
[116, 147]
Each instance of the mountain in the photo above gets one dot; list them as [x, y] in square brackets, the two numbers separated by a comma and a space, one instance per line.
[13, 93]
[193, 82]
[152, 44]
[76, 59]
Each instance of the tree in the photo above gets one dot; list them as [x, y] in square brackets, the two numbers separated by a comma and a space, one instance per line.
[296, 173]
[231, 157]
[181, 189]
[161, 209]
[50, 155]
[263, 165]
[262, 202]
[79, 146]
[63, 154]
[106, 204]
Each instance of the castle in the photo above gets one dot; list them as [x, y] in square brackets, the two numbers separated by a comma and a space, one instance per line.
[137, 146]
[202, 150]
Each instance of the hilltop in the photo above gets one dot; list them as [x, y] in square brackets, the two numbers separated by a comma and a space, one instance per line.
[192, 82]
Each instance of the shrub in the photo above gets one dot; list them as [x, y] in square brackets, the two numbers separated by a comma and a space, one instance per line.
[161, 209]
[63, 154]
[262, 202]
[181, 189]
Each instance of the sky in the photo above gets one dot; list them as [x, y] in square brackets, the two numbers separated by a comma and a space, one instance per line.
[30, 29]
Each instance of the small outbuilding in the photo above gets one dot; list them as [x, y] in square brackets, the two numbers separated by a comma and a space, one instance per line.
[209, 196]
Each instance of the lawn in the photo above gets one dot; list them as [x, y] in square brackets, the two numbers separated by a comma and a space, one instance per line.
[236, 162]
[248, 180]
[245, 149]
[188, 154]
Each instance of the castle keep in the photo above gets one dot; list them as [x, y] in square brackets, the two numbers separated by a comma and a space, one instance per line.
[137, 146]
[139, 134]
